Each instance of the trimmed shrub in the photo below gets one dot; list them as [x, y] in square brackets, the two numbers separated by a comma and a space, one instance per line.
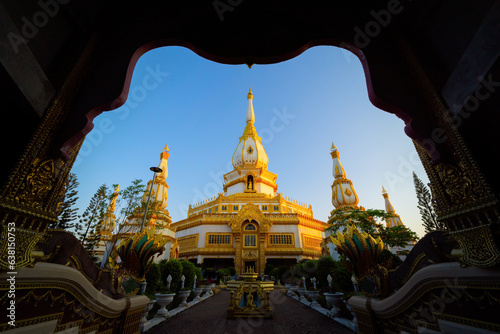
[188, 270]
[172, 267]
[269, 267]
[283, 273]
[222, 273]
[310, 268]
[198, 273]
[232, 271]
[153, 278]
[341, 279]
[276, 273]
[210, 273]
[325, 265]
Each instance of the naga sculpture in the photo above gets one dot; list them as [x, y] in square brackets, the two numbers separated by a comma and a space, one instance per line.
[361, 254]
[129, 261]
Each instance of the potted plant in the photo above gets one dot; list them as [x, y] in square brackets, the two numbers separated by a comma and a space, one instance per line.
[301, 290]
[198, 290]
[164, 298]
[329, 294]
[183, 295]
[313, 293]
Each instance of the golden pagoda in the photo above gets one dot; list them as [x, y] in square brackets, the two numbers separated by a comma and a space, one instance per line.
[249, 224]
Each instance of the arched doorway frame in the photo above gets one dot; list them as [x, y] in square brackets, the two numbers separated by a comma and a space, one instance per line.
[378, 102]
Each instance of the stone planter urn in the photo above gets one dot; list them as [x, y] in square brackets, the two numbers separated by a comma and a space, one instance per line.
[302, 292]
[207, 289]
[197, 292]
[183, 295]
[314, 295]
[163, 299]
[329, 298]
[144, 319]
[337, 299]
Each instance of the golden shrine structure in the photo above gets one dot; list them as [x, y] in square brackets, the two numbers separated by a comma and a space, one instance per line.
[250, 223]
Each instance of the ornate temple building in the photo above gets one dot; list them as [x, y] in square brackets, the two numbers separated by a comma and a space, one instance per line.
[107, 226]
[250, 223]
[344, 196]
[157, 215]
[396, 219]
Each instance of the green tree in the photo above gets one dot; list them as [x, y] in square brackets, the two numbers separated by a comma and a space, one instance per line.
[426, 207]
[91, 217]
[173, 268]
[397, 236]
[368, 221]
[371, 222]
[68, 213]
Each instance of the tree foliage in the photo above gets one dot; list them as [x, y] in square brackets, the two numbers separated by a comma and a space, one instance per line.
[368, 221]
[426, 207]
[68, 213]
[87, 228]
[371, 222]
[173, 268]
[397, 236]
[188, 270]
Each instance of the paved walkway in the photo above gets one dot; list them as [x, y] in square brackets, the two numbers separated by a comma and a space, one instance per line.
[209, 316]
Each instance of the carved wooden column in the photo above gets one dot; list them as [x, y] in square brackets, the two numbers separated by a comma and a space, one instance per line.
[262, 253]
[29, 200]
[465, 201]
[237, 260]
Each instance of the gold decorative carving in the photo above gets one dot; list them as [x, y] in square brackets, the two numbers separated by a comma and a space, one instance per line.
[250, 254]
[38, 183]
[25, 241]
[250, 212]
[477, 246]
[457, 183]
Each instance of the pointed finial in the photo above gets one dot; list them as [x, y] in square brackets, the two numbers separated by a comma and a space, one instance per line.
[333, 147]
[117, 189]
[250, 95]
[383, 190]
[166, 148]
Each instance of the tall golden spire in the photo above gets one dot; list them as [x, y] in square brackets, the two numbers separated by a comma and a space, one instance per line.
[250, 117]
[343, 193]
[107, 224]
[396, 219]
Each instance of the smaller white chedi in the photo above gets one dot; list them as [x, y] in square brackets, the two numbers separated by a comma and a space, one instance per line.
[343, 193]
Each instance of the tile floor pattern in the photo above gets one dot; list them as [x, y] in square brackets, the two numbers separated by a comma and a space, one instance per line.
[290, 317]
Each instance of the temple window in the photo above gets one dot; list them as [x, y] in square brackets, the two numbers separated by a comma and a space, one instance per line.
[224, 208]
[250, 240]
[264, 207]
[280, 239]
[235, 207]
[250, 227]
[219, 239]
[276, 208]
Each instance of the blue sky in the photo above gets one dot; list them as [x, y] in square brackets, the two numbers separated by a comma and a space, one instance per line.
[198, 107]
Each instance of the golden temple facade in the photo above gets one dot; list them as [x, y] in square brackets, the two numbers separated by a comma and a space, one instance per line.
[250, 223]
